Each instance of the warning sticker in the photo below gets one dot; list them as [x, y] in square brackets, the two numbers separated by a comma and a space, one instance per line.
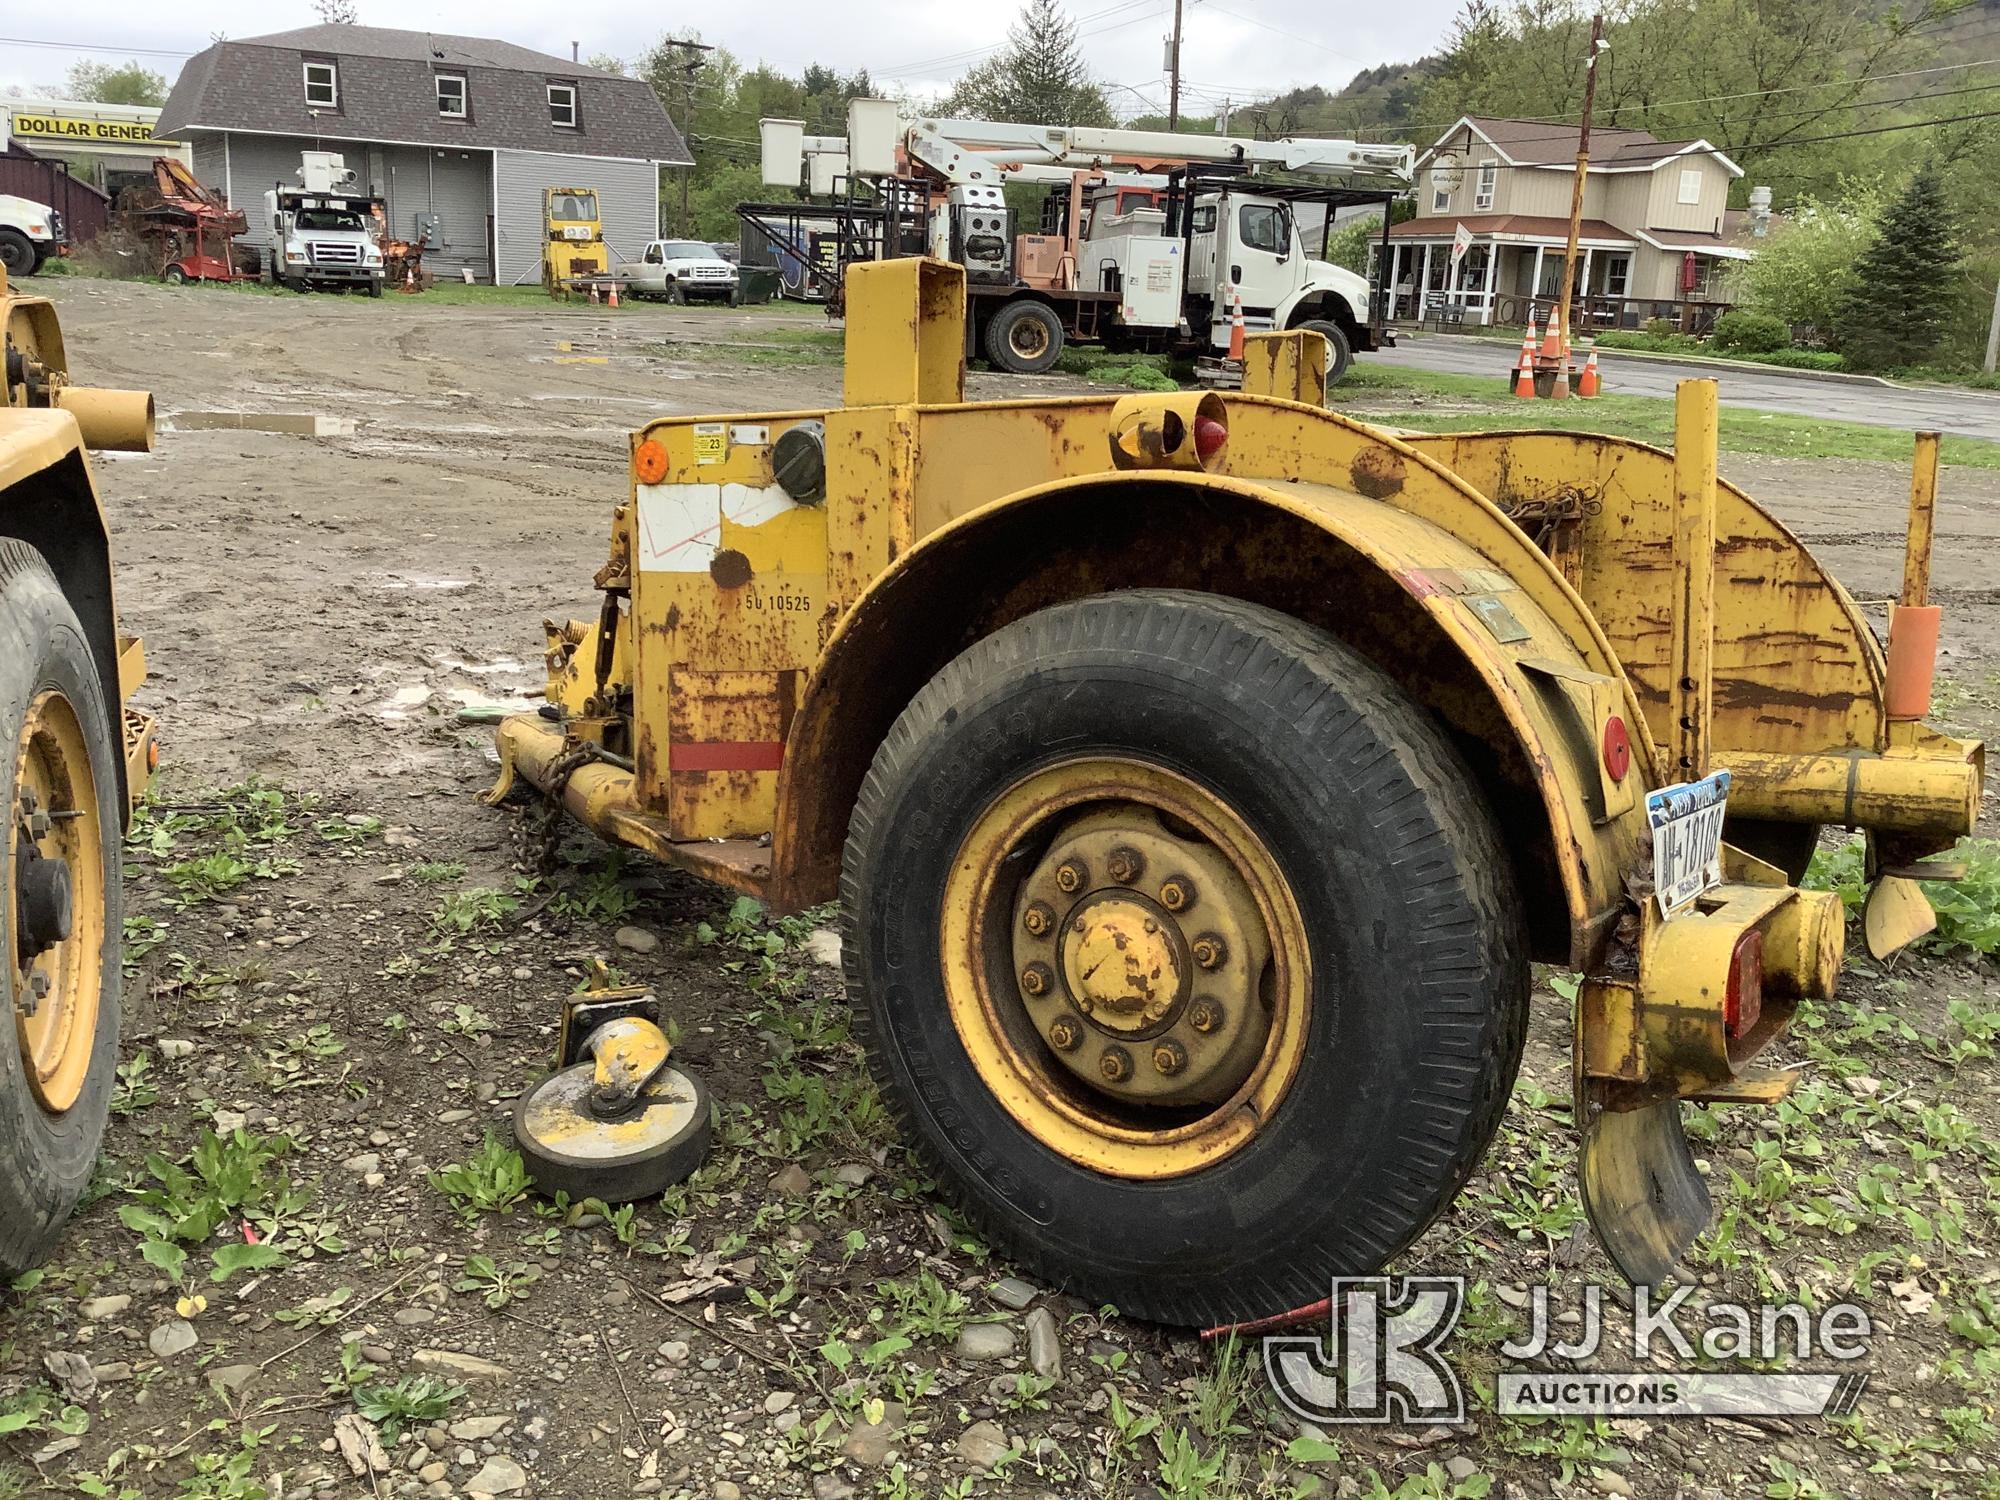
[711, 442]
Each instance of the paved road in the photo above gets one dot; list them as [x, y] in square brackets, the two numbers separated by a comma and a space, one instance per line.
[1968, 413]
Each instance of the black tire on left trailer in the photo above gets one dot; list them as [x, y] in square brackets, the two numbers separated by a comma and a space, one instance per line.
[1392, 1001]
[60, 909]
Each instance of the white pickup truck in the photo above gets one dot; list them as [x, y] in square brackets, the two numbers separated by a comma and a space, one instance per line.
[30, 233]
[681, 271]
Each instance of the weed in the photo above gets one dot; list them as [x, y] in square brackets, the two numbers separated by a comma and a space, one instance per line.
[1185, 1472]
[922, 1308]
[224, 1177]
[135, 1090]
[467, 1021]
[599, 895]
[352, 829]
[413, 1399]
[354, 1372]
[496, 1283]
[762, 940]
[1221, 1391]
[493, 1181]
[435, 871]
[142, 936]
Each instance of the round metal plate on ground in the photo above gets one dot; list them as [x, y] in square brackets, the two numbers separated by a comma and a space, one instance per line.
[570, 1148]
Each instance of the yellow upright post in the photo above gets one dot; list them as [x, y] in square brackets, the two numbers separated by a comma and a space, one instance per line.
[905, 333]
[1923, 503]
[1694, 574]
[1290, 366]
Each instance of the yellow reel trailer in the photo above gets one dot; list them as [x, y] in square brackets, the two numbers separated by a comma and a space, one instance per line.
[76, 761]
[1199, 774]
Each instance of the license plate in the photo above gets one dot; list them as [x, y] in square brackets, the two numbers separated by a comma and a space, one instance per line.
[1687, 838]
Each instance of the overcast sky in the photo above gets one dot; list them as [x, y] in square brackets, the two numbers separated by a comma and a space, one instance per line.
[1239, 48]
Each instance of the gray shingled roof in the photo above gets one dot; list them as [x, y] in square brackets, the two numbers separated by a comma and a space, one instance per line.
[386, 94]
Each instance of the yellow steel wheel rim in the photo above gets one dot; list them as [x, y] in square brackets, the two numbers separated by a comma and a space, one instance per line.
[56, 813]
[1134, 1031]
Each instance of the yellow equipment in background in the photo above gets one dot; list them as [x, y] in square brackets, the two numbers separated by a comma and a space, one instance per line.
[572, 240]
[74, 761]
[1199, 774]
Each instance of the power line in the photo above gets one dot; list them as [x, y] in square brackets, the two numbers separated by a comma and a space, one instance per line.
[22, 41]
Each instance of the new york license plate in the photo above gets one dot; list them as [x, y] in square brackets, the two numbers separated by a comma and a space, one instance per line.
[1687, 838]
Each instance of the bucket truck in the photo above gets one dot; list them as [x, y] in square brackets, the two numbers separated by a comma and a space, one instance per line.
[1148, 241]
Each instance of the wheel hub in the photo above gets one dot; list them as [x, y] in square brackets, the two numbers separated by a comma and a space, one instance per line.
[1140, 953]
[43, 907]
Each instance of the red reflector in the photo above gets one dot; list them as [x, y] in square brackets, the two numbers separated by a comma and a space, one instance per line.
[1743, 1000]
[1209, 437]
[152, 755]
[1617, 748]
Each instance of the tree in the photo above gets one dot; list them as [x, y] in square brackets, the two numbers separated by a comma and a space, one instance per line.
[1802, 272]
[1038, 78]
[102, 83]
[337, 12]
[1906, 282]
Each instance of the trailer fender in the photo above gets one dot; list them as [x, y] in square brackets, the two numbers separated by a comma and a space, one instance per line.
[1524, 695]
[48, 500]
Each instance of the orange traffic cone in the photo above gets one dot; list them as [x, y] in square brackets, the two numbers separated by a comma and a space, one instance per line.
[1524, 376]
[1552, 338]
[614, 294]
[1561, 391]
[593, 292]
[1586, 385]
[1238, 334]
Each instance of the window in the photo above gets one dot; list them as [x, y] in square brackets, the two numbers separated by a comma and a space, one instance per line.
[1262, 226]
[1617, 272]
[652, 255]
[562, 105]
[322, 85]
[1204, 218]
[1440, 192]
[451, 96]
[1690, 184]
[573, 207]
[1489, 177]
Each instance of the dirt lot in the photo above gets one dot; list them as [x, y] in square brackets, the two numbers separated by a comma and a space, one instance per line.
[335, 951]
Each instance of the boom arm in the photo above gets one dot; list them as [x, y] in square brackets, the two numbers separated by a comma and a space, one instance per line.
[990, 151]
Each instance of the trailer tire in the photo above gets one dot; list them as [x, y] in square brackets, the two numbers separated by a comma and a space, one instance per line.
[58, 1066]
[17, 253]
[1339, 352]
[174, 276]
[1405, 1019]
[1024, 337]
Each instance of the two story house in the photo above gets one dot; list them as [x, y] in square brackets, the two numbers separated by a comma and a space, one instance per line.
[1657, 228]
[459, 135]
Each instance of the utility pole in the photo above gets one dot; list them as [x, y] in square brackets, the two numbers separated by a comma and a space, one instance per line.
[1174, 73]
[1576, 196]
[1993, 336]
[690, 64]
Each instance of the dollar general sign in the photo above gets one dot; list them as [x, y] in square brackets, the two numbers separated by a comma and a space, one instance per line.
[76, 130]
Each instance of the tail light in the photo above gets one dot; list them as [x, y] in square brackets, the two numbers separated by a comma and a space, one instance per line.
[1210, 435]
[1743, 999]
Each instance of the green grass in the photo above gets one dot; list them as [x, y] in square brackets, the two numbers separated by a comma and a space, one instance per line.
[1650, 419]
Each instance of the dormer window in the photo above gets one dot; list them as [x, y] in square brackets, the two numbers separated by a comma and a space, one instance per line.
[451, 96]
[562, 105]
[322, 85]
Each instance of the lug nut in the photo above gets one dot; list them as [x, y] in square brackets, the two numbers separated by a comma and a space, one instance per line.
[1065, 1034]
[1210, 951]
[1205, 1016]
[1115, 1065]
[1125, 864]
[1038, 919]
[1072, 875]
[1169, 1057]
[1037, 979]
[1177, 894]
[39, 983]
[38, 826]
